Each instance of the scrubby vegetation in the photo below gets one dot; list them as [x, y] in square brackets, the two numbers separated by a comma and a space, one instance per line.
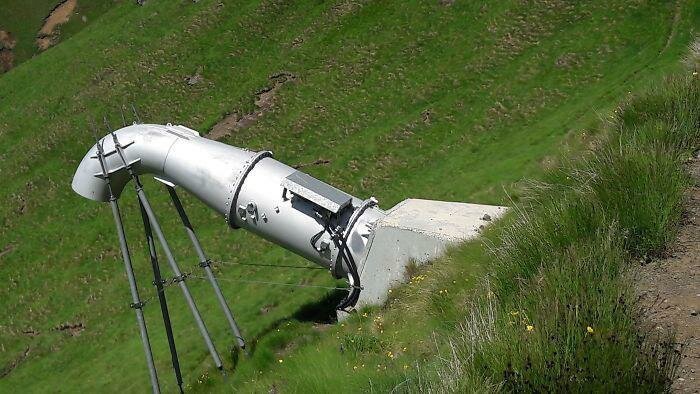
[429, 99]
[560, 313]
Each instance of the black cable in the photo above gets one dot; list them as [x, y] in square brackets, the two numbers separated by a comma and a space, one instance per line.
[268, 265]
[345, 254]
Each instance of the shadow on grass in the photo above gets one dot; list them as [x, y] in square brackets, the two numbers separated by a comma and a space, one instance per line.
[320, 312]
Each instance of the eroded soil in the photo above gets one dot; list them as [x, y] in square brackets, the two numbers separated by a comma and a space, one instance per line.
[7, 44]
[263, 103]
[670, 289]
[47, 36]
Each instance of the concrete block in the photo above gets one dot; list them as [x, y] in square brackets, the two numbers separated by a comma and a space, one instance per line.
[419, 231]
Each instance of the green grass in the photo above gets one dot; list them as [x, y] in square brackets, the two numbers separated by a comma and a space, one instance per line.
[509, 87]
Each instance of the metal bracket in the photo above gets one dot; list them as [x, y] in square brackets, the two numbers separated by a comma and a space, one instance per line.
[165, 181]
[205, 264]
[181, 278]
[113, 151]
[137, 305]
[114, 170]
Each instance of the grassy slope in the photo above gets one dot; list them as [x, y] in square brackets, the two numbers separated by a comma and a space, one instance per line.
[367, 72]
[24, 20]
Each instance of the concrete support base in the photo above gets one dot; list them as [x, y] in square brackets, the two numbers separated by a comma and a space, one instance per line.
[416, 231]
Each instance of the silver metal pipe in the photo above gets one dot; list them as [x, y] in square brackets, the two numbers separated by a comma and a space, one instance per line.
[204, 262]
[250, 190]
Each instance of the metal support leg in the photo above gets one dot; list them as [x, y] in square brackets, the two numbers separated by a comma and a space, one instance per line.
[136, 301]
[178, 274]
[158, 282]
[204, 263]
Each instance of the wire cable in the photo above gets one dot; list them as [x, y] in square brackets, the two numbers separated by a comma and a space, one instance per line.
[269, 265]
[263, 282]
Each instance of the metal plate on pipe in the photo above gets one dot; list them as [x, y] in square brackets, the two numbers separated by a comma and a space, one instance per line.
[319, 193]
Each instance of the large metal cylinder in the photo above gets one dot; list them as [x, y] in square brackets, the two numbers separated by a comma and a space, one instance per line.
[250, 190]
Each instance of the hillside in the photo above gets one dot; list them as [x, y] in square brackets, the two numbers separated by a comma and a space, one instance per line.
[426, 99]
[27, 29]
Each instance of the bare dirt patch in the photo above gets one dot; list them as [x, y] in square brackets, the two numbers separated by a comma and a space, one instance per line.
[7, 44]
[73, 329]
[61, 14]
[263, 103]
[14, 363]
[670, 289]
[318, 162]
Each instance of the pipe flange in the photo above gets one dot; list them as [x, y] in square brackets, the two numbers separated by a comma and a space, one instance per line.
[366, 204]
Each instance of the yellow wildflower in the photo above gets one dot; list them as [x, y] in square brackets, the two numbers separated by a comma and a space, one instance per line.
[589, 329]
[530, 328]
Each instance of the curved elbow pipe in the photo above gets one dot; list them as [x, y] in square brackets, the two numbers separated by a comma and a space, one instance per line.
[250, 190]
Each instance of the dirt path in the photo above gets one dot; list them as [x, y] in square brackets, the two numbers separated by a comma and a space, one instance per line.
[263, 103]
[671, 289]
[58, 16]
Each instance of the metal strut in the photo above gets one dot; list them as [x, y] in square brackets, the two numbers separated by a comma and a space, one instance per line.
[168, 253]
[136, 303]
[158, 282]
[205, 263]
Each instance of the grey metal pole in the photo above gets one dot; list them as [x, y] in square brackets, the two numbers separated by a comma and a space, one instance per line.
[158, 282]
[179, 277]
[204, 262]
[136, 301]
